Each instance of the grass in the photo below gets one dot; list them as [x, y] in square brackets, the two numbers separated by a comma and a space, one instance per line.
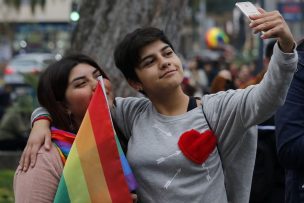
[6, 186]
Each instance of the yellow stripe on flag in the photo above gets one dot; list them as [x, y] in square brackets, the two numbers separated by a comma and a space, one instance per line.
[93, 171]
[74, 178]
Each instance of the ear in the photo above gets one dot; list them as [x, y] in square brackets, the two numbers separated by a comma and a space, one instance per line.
[136, 85]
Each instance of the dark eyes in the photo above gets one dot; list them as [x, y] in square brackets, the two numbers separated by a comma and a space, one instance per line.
[169, 53]
[150, 60]
[80, 84]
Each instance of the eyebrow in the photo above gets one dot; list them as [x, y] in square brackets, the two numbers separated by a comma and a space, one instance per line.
[82, 77]
[150, 55]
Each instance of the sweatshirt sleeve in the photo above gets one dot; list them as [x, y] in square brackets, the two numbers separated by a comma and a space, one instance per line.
[38, 112]
[290, 124]
[233, 112]
[39, 184]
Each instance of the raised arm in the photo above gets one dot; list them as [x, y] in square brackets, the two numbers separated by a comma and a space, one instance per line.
[232, 113]
[260, 102]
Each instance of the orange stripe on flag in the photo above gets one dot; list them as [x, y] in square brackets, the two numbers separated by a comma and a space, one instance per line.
[93, 172]
[107, 148]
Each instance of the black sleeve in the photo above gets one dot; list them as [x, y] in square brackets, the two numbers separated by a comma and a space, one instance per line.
[290, 123]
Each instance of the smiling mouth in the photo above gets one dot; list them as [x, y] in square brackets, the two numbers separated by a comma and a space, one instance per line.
[166, 73]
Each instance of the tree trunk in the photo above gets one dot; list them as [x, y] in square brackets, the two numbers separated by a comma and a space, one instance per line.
[104, 22]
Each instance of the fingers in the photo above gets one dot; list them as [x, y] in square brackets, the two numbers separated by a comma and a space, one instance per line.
[268, 25]
[26, 159]
[33, 155]
[273, 32]
[21, 162]
[47, 142]
[266, 17]
[261, 10]
[271, 23]
[39, 135]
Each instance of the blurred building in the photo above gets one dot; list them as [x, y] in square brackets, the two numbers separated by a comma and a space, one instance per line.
[44, 27]
[293, 13]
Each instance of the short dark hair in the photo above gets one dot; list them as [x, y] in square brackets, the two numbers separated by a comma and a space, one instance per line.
[52, 86]
[269, 48]
[127, 52]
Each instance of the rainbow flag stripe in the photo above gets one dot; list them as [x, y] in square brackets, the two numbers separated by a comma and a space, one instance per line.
[63, 143]
[96, 169]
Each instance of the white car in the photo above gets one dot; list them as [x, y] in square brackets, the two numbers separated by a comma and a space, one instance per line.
[30, 63]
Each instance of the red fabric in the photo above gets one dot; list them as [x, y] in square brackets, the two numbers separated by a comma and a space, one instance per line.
[107, 147]
[64, 136]
[197, 146]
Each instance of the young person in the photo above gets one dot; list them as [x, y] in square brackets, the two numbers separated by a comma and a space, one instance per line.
[290, 134]
[65, 90]
[186, 150]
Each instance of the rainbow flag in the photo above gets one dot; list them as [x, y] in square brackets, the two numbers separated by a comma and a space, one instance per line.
[96, 169]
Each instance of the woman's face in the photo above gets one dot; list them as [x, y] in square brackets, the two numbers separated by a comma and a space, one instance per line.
[81, 86]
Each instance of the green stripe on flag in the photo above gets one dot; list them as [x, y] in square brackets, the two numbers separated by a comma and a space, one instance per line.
[74, 177]
[62, 195]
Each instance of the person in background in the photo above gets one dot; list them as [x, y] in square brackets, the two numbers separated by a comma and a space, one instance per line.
[244, 75]
[15, 125]
[268, 53]
[187, 87]
[222, 82]
[197, 77]
[290, 134]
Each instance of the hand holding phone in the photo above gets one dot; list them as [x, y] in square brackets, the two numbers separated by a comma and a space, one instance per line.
[270, 24]
[248, 9]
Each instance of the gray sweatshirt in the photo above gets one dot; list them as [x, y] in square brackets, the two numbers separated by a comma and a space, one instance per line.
[165, 175]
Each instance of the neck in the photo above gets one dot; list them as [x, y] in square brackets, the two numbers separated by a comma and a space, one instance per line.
[171, 103]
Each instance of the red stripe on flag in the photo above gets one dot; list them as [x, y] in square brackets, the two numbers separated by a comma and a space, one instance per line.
[107, 148]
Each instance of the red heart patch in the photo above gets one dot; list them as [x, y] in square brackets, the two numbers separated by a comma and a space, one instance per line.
[197, 146]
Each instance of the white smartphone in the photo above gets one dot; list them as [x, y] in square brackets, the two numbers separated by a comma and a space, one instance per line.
[247, 8]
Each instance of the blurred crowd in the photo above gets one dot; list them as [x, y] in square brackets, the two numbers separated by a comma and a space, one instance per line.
[204, 75]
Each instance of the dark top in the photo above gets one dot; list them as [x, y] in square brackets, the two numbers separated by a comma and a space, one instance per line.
[290, 134]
